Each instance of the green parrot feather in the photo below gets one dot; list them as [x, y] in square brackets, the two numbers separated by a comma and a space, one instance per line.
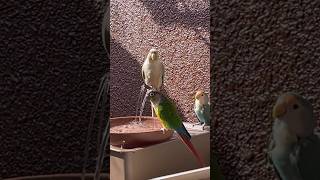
[168, 115]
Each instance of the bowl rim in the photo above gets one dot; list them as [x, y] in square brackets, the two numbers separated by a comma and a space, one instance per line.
[142, 117]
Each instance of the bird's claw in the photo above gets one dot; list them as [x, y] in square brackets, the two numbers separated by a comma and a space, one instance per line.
[196, 124]
[204, 125]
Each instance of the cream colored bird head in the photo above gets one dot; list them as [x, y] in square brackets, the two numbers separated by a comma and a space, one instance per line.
[153, 55]
[295, 111]
[201, 97]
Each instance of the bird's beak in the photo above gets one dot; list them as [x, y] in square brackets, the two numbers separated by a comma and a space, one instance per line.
[153, 56]
[278, 110]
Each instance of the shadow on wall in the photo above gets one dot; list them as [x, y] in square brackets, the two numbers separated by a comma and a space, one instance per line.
[172, 12]
[258, 59]
[49, 73]
[126, 81]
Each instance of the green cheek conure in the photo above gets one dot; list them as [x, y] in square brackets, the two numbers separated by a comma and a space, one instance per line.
[169, 118]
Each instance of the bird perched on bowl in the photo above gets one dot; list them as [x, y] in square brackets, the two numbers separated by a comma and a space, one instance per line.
[294, 149]
[202, 108]
[153, 71]
[167, 114]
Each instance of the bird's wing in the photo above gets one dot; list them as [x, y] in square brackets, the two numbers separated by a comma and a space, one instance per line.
[167, 112]
[309, 158]
[144, 77]
[200, 116]
[207, 114]
[271, 146]
[286, 167]
[142, 72]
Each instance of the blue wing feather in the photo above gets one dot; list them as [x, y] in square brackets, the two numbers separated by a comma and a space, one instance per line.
[182, 131]
[203, 114]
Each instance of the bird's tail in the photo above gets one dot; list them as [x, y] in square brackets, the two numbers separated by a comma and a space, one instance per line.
[186, 140]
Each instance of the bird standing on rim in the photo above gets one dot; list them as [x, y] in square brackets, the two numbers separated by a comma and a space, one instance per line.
[202, 108]
[153, 71]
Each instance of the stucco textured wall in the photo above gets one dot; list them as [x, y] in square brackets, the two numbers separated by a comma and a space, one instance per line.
[52, 60]
[179, 30]
[259, 49]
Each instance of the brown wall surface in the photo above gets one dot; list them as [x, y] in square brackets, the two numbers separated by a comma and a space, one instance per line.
[179, 30]
[51, 63]
[259, 49]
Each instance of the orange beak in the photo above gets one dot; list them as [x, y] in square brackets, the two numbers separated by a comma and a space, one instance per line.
[278, 110]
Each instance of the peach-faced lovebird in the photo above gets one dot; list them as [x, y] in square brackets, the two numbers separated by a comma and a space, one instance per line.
[202, 108]
[167, 114]
[294, 149]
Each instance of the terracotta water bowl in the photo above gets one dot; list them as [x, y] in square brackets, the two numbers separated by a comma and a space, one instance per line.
[126, 134]
[60, 177]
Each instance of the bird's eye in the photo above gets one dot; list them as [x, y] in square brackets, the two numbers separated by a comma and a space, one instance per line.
[152, 94]
[201, 94]
[295, 106]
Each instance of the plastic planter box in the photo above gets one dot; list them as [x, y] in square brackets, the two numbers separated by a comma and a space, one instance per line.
[158, 160]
